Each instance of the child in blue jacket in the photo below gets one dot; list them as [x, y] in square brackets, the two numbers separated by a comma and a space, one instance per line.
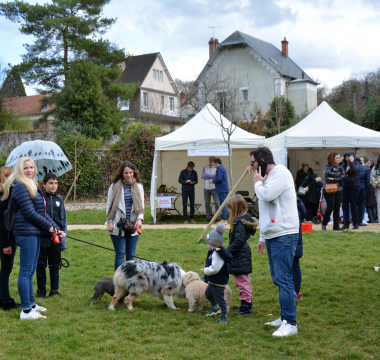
[216, 273]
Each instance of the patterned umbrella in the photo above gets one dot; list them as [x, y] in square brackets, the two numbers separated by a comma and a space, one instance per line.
[47, 155]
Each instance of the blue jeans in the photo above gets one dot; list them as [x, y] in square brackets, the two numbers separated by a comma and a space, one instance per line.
[127, 244]
[281, 252]
[222, 196]
[29, 251]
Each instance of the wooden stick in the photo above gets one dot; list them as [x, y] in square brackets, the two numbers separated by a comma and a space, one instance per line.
[71, 187]
[222, 205]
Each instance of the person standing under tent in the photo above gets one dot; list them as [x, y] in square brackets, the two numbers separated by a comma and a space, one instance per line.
[209, 173]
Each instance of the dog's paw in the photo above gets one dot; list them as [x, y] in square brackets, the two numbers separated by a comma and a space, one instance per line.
[189, 310]
[112, 308]
[130, 308]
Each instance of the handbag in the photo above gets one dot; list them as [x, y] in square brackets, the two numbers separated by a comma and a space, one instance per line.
[126, 225]
[302, 190]
[331, 188]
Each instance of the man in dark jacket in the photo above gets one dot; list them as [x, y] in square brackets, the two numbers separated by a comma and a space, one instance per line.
[221, 187]
[351, 189]
[188, 178]
[50, 252]
[364, 177]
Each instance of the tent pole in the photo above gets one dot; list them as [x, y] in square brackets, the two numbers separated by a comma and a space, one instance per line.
[161, 166]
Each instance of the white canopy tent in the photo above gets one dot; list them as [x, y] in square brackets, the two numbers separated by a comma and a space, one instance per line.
[202, 132]
[321, 131]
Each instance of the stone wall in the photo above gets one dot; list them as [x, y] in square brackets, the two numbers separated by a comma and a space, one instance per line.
[11, 139]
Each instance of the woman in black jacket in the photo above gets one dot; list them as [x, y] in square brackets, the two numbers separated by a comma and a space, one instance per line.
[305, 178]
[351, 189]
[242, 227]
[7, 248]
[31, 220]
[334, 174]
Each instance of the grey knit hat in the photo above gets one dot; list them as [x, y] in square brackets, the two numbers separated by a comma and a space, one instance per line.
[215, 237]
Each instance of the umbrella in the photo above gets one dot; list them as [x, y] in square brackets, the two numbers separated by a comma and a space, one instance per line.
[47, 155]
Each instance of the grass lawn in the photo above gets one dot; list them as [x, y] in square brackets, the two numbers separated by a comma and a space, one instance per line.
[98, 217]
[338, 317]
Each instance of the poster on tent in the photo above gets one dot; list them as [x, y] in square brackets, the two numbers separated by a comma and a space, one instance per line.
[207, 152]
[372, 154]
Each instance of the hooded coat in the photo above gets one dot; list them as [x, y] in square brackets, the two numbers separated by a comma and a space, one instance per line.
[352, 171]
[306, 179]
[244, 227]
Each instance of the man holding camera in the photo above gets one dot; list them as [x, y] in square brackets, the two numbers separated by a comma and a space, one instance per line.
[279, 228]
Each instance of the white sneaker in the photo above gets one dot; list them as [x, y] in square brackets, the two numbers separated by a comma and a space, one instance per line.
[39, 308]
[276, 323]
[36, 312]
[28, 316]
[330, 223]
[285, 330]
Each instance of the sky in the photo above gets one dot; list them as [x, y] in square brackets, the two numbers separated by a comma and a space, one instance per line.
[328, 39]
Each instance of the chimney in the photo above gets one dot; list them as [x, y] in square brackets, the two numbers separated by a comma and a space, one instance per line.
[285, 47]
[212, 45]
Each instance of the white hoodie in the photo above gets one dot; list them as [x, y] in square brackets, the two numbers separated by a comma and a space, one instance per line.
[278, 202]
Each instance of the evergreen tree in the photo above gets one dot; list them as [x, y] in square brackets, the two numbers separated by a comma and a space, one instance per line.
[64, 31]
[12, 85]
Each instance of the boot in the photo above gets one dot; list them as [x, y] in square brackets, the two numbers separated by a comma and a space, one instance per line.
[8, 305]
[245, 310]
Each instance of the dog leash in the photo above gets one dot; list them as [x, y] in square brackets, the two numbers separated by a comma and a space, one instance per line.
[70, 237]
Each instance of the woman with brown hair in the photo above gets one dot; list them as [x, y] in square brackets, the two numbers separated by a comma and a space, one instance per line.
[8, 247]
[334, 174]
[242, 227]
[125, 200]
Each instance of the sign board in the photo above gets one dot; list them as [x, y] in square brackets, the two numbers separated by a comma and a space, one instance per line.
[337, 143]
[164, 201]
[372, 154]
[207, 152]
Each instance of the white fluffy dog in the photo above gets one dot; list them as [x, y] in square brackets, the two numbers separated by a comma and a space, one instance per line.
[195, 292]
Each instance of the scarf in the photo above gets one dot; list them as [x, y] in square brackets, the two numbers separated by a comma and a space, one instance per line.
[116, 195]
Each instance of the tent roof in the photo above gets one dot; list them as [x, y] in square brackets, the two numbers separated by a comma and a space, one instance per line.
[203, 132]
[324, 128]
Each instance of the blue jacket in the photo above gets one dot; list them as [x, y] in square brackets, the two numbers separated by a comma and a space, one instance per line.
[301, 215]
[221, 278]
[187, 175]
[364, 176]
[220, 181]
[31, 218]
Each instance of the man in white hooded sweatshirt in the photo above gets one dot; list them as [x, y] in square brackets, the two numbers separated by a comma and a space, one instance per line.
[279, 227]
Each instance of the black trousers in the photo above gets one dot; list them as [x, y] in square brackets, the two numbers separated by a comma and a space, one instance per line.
[297, 276]
[350, 198]
[311, 211]
[185, 196]
[50, 254]
[371, 211]
[333, 204]
[215, 294]
[5, 272]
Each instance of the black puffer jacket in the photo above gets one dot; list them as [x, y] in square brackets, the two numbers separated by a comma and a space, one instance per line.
[352, 171]
[31, 218]
[244, 227]
[305, 179]
[5, 240]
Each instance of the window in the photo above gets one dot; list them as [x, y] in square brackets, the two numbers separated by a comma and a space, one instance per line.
[145, 99]
[222, 101]
[154, 75]
[171, 102]
[161, 76]
[162, 103]
[122, 104]
[172, 128]
[245, 95]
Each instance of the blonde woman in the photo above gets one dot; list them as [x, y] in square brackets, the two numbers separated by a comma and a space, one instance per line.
[30, 220]
[7, 248]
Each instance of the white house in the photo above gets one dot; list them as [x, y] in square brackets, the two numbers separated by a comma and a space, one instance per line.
[263, 71]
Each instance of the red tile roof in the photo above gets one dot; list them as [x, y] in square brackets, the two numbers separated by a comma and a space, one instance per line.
[26, 105]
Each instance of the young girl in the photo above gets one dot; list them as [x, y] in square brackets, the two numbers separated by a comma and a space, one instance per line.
[242, 227]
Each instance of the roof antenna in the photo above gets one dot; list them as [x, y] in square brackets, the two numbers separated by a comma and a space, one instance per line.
[213, 29]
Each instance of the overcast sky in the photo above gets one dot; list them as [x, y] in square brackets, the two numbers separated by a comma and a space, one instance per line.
[329, 39]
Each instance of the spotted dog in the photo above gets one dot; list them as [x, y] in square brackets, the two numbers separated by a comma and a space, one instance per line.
[159, 279]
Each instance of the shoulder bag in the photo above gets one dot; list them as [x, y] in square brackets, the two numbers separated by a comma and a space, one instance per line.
[302, 190]
[126, 225]
[331, 188]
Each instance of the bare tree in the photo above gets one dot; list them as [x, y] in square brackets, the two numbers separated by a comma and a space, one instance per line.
[229, 95]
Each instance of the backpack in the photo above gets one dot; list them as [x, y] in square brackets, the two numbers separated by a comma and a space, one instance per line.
[10, 213]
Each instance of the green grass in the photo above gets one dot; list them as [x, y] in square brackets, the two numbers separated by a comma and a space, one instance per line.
[98, 217]
[338, 317]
